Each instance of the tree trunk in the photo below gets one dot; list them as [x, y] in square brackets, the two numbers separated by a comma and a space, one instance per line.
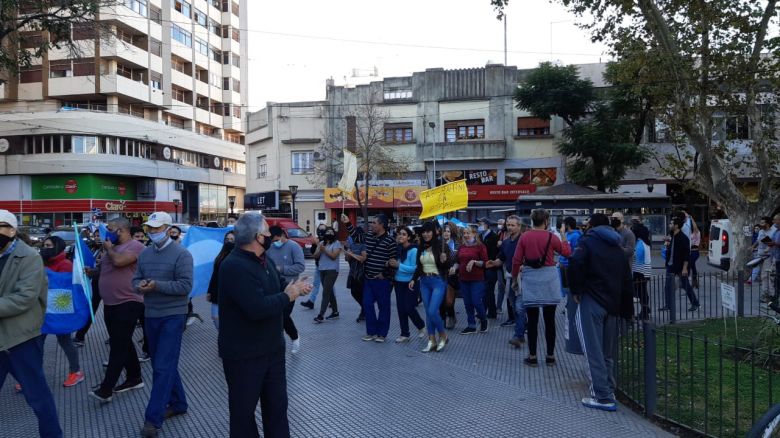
[742, 244]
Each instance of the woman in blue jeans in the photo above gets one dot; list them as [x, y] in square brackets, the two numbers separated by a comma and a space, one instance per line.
[433, 263]
[470, 262]
[405, 298]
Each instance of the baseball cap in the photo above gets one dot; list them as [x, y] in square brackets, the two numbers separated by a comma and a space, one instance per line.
[158, 219]
[9, 218]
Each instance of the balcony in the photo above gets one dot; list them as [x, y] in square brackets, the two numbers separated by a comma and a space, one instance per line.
[115, 84]
[463, 150]
[128, 52]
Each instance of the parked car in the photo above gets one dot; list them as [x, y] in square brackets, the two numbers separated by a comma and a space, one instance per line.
[721, 250]
[294, 232]
[36, 234]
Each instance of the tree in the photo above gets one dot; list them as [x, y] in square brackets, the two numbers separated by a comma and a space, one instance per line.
[52, 19]
[719, 60]
[600, 138]
[365, 137]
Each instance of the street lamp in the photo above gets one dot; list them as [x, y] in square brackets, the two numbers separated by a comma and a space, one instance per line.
[650, 185]
[176, 203]
[294, 193]
[433, 128]
[232, 202]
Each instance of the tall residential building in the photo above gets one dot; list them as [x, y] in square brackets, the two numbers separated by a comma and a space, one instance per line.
[149, 116]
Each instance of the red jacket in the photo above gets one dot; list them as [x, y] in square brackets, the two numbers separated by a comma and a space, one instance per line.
[59, 263]
[465, 255]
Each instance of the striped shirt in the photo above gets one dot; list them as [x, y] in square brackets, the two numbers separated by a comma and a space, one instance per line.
[379, 249]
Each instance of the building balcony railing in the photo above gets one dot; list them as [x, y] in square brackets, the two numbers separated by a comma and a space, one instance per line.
[463, 150]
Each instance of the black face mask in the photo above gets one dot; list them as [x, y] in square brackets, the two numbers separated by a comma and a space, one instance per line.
[615, 223]
[48, 253]
[266, 243]
[228, 246]
[5, 240]
[330, 237]
[174, 236]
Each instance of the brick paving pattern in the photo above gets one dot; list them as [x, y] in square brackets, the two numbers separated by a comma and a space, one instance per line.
[342, 387]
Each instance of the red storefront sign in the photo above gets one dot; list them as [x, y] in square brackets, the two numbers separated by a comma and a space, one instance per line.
[86, 205]
[499, 193]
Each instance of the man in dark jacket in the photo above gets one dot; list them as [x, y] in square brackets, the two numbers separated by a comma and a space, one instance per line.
[601, 284]
[253, 298]
[677, 256]
[23, 293]
[490, 239]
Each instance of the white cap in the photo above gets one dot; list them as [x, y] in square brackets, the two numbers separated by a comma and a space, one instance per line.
[9, 218]
[158, 219]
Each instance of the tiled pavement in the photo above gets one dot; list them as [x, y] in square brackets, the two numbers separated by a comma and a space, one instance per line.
[342, 387]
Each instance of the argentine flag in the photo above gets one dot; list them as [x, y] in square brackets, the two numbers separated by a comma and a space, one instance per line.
[204, 244]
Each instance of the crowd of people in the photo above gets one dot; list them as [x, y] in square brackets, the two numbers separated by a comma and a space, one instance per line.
[522, 270]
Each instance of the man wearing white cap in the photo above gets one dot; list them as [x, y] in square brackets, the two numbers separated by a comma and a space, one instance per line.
[164, 277]
[23, 293]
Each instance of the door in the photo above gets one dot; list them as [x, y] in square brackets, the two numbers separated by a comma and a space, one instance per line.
[320, 217]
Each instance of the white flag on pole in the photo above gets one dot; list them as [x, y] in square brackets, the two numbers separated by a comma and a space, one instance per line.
[347, 183]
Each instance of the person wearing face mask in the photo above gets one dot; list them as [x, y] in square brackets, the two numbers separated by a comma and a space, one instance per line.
[471, 258]
[490, 240]
[252, 299]
[175, 233]
[138, 234]
[309, 303]
[53, 255]
[122, 307]
[23, 294]
[288, 258]
[627, 237]
[164, 279]
[212, 295]
[328, 251]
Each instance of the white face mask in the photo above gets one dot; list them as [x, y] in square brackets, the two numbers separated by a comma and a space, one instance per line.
[481, 228]
[158, 238]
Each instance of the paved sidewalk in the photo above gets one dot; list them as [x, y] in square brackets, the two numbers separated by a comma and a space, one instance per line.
[342, 387]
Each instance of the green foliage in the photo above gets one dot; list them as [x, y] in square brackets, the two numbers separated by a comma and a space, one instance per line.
[552, 90]
[54, 17]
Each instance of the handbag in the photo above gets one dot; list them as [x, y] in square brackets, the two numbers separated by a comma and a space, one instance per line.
[539, 263]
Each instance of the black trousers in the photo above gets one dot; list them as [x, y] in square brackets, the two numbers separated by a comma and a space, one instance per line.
[533, 328]
[489, 299]
[289, 324]
[96, 299]
[251, 380]
[121, 321]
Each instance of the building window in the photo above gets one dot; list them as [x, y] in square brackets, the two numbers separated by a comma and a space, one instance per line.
[226, 58]
[84, 67]
[215, 54]
[30, 40]
[155, 47]
[138, 6]
[202, 102]
[217, 4]
[215, 27]
[155, 14]
[226, 83]
[455, 130]
[60, 68]
[181, 35]
[180, 66]
[234, 8]
[155, 80]
[215, 79]
[179, 94]
[83, 31]
[201, 46]
[236, 111]
[200, 18]
[235, 34]
[737, 128]
[398, 133]
[262, 166]
[236, 60]
[302, 162]
[30, 74]
[236, 85]
[123, 70]
[398, 94]
[532, 127]
[183, 7]
[84, 144]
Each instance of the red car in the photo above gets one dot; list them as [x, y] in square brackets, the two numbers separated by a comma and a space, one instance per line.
[294, 232]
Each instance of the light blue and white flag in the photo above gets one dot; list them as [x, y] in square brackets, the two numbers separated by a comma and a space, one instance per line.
[204, 244]
[443, 220]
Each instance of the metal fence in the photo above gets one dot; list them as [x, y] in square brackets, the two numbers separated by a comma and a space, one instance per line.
[703, 381]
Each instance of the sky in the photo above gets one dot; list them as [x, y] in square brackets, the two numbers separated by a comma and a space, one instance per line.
[295, 46]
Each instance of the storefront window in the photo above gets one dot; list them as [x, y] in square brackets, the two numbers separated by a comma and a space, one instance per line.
[84, 145]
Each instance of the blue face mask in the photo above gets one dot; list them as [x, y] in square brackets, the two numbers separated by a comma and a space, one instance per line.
[472, 241]
[112, 237]
[278, 244]
[158, 238]
[481, 229]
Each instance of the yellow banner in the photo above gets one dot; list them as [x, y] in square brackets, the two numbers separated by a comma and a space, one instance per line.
[443, 199]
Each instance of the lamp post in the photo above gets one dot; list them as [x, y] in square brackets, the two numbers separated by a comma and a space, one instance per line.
[176, 203]
[433, 128]
[294, 193]
[650, 185]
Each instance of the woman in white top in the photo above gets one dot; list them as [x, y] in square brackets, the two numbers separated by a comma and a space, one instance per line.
[642, 266]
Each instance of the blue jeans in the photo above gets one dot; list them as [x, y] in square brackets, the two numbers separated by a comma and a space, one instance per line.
[315, 290]
[25, 363]
[164, 347]
[521, 319]
[406, 304]
[671, 289]
[377, 292]
[433, 290]
[473, 293]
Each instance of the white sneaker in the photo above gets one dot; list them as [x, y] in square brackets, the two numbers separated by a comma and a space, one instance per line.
[423, 333]
[401, 339]
[296, 346]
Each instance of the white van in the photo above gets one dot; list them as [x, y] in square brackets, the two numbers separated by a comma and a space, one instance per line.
[721, 250]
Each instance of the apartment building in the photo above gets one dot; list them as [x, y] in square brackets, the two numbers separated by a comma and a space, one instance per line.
[148, 117]
[464, 121]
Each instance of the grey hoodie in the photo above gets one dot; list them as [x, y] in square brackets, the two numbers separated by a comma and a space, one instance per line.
[288, 259]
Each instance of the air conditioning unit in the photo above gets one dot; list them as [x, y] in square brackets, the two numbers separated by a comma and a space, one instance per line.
[319, 156]
[177, 161]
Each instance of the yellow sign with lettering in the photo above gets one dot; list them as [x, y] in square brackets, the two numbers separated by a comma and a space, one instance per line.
[443, 199]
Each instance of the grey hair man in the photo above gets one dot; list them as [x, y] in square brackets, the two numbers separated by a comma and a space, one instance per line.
[253, 298]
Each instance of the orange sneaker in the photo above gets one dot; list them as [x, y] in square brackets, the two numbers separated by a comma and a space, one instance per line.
[74, 379]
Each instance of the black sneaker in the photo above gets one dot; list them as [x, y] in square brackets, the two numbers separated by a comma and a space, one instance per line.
[693, 308]
[508, 323]
[319, 319]
[308, 304]
[170, 413]
[531, 362]
[128, 386]
[332, 316]
[468, 331]
[103, 396]
[149, 430]
[483, 326]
